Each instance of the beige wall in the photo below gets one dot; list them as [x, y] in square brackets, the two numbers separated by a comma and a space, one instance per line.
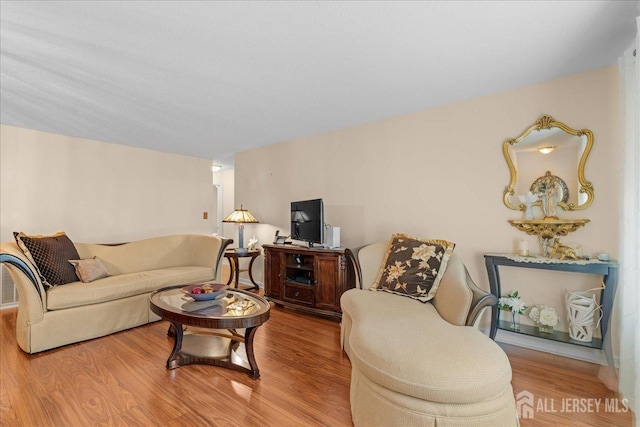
[225, 180]
[97, 191]
[440, 173]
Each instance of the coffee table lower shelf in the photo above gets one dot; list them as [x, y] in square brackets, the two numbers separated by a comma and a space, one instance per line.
[230, 348]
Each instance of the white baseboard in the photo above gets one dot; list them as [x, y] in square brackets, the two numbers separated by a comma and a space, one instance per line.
[8, 305]
[554, 347]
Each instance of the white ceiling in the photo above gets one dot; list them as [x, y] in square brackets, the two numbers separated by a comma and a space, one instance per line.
[208, 79]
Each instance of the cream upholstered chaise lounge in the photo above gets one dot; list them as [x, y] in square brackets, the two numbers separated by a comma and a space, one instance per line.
[77, 311]
[423, 364]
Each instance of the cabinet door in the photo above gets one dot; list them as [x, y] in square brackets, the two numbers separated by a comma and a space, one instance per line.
[327, 281]
[273, 274]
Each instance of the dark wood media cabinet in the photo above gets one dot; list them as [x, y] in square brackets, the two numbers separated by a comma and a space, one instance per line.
[310, 280]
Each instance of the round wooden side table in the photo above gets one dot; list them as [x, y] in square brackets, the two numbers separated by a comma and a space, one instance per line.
[234, 263]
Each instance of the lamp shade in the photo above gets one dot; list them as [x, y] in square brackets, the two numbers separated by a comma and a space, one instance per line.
[299, 217]
[240, 216]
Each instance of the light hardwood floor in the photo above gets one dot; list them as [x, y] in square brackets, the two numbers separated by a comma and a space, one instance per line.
[121, 380]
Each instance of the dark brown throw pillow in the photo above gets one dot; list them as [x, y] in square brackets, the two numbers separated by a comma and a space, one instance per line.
[413, 267]
[50, 255]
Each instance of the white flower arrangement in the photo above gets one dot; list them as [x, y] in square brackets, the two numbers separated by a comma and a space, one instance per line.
[534, 314]
[512, 303]
[546, 316]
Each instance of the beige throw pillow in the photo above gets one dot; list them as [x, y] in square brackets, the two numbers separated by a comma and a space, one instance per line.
[413, 267]
[89, 269]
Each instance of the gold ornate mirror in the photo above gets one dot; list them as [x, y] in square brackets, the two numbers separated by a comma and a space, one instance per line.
[549, 151]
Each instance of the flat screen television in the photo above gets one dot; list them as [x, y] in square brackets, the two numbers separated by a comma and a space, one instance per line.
[307, 221]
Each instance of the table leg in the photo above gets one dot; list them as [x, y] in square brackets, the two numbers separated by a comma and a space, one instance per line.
[171, 332]
[248, 346]
[494, 288]
[174, 361]
[231, 271]
[255, 285]
[606, 300]
[236, 270]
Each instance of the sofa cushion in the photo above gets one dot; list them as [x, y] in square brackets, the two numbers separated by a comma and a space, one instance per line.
[413, 267]
[123, 286]
[89, 269]
[407, 347]
[50, 255]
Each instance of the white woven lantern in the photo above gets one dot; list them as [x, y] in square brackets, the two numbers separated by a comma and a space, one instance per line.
[581, 313]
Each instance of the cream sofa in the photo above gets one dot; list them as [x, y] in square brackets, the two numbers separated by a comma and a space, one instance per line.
[80, 311]
[423, 364]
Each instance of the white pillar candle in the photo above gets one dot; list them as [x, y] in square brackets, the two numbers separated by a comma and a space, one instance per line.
[523, 247]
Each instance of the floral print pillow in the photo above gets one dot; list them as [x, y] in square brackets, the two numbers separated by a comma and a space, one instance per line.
[413, 267]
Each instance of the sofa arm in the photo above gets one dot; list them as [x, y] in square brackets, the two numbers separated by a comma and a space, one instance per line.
[481, 300]
[23, 267]
[27, 280]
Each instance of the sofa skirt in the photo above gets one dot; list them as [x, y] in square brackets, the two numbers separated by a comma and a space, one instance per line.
[373, 405]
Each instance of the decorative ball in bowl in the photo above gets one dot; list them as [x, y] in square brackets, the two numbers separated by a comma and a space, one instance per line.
[205, 291]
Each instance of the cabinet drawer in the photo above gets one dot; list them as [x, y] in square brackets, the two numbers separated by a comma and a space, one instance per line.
[298, 293]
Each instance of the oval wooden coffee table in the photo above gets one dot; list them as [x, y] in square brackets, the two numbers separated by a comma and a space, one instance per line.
[218, 332]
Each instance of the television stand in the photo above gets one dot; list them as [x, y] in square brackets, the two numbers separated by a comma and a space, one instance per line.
[309, 280]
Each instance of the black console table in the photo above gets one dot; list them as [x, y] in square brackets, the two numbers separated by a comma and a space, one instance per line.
[608, 271]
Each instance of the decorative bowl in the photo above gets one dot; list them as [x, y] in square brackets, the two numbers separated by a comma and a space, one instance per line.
[211, 291]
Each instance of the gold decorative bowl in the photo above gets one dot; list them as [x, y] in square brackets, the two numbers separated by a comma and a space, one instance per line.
[548, 228]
